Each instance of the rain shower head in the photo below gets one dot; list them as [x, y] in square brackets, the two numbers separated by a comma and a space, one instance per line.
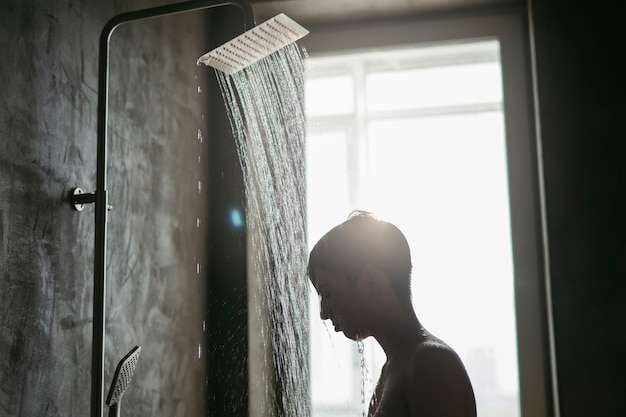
[254, 44]
[123, 375]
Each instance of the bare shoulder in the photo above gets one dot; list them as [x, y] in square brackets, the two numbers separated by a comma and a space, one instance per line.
[433, 355]
[438, 382]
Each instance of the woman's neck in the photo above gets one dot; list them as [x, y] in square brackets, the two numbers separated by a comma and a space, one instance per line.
[401, 333]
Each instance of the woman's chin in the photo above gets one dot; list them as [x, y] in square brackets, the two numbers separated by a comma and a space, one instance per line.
[353, 335]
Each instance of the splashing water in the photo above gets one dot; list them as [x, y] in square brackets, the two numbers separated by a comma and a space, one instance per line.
[265, 104]
[366, 379]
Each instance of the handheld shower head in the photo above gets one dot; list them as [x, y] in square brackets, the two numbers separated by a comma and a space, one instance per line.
[254, 44]
[121, 379]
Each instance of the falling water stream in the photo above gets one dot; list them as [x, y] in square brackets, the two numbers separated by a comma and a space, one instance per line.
[265, 104]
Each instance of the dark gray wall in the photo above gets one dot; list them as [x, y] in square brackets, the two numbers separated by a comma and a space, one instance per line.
[47, 140]
[582, 89]
[156, 297]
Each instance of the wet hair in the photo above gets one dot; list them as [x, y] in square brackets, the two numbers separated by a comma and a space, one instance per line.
[363, 239]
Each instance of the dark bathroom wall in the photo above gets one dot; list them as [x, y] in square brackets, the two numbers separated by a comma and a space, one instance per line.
[581, 68]
[160, 242]
[47, 146]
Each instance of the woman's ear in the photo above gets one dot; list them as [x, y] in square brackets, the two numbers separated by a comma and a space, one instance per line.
[374, 278]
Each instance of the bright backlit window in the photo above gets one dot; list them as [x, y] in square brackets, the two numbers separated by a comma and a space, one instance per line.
[417, 136]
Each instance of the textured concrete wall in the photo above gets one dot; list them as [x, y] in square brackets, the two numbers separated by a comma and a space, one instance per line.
[47, 140]
[159, 234]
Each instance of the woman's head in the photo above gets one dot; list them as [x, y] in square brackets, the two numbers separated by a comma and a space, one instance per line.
[361, 240]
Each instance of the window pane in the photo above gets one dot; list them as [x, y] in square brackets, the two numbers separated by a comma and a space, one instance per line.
[448, 176]
[443, 181]
[327, 181]
[434, 87]
[332, 375]
[329, 95]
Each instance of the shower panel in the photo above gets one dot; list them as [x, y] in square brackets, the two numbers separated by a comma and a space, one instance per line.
[100, 196]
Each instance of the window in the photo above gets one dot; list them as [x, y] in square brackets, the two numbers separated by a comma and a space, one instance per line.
[422, 130]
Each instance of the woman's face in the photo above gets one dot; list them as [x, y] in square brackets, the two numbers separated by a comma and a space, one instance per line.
[342, 303]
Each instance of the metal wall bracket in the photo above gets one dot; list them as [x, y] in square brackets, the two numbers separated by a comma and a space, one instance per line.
[79, 199]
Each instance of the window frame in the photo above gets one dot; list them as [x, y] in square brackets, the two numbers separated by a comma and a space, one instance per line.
[536, 360]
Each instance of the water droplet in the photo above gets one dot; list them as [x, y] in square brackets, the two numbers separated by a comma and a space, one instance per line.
[199, 89]
[197, 268]
[198, 222]
[199, 187]
[199, 351]
[199, 135]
